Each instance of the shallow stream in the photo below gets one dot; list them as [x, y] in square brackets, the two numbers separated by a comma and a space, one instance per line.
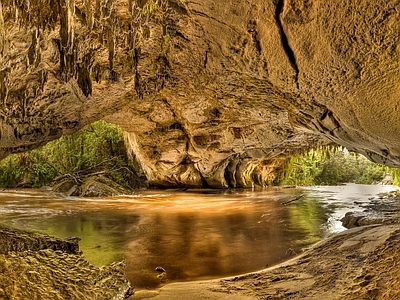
[193, 234]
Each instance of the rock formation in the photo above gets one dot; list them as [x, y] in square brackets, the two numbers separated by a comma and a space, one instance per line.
[209, 93]
[37, 266]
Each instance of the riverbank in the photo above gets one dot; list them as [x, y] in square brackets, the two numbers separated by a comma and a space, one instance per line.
[360, 263]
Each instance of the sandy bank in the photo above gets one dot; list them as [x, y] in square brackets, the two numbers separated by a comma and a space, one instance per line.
[360, 263]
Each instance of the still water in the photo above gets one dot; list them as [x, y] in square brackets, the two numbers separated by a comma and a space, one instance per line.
[195, 234]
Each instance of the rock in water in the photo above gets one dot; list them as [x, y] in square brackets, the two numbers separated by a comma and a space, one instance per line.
[94, 186]
[100, 186]
[35, 266]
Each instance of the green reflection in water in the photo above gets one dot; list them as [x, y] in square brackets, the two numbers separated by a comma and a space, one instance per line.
[308, 215]
[102, 233]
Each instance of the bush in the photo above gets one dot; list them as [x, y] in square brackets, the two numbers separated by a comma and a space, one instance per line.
[333, 166]
[11, 172]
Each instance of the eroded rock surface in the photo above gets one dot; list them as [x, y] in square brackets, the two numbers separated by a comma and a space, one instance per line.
[208, 92]
[13, 240]
[35, 266]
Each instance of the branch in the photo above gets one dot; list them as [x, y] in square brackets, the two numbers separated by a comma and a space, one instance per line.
[295, 199]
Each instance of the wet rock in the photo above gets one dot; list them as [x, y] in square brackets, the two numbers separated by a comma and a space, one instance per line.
[382, 209]
[68, 187]
[352, 219]
[94, 186]
[101, 186]
[356, 219]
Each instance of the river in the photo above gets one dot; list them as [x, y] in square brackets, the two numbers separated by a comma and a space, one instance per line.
[192, 234]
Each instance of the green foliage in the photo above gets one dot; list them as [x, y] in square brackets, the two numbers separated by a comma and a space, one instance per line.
[167, 38]
[149, 7]
[99, 146]
[11, 172]
[333, 166]
[396, 177]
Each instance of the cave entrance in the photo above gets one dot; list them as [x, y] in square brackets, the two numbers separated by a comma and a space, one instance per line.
[97, 149]
[335, 166]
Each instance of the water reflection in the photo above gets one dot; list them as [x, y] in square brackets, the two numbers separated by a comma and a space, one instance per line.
[191, 235]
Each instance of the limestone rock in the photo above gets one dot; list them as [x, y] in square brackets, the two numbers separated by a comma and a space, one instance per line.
[14, 240]
[352, 219]
[210, 93]
[41, 267]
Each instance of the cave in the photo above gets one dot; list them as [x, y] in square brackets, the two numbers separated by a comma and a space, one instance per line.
[208, 94]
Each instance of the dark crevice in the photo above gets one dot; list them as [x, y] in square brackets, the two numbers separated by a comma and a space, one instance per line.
[205, 60]
[284, 40]
[3, 86]
[178, 7]
[252, 29]
[324, 115]
[84, 81]
[257, 42]
[32, 48]
[137, 86]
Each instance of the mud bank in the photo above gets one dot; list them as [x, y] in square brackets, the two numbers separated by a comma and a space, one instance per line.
[35, 266]
[360, 263]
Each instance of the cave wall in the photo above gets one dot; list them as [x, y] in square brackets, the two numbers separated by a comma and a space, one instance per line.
[209, 93]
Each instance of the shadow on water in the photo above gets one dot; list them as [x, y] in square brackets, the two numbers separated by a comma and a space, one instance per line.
[192, 235]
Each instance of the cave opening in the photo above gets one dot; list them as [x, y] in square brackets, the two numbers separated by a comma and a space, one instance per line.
[97, 150]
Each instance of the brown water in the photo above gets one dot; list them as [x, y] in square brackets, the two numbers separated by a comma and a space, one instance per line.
[192, 234]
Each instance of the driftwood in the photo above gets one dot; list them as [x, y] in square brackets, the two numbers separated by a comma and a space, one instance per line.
[292, 200]
[91, 171]
[78, 177]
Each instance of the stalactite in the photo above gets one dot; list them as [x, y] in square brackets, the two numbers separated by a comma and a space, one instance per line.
[2, 31]
[67, 32]
[33, 13]
[3, 86]
[89, 14]
[111, 47]
[34, 48]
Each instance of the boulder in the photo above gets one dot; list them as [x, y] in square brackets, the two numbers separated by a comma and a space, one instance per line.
[100, 186]
[93, 186]
[68, 187]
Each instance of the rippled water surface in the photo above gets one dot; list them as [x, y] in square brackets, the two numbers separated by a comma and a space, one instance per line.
[194, 234]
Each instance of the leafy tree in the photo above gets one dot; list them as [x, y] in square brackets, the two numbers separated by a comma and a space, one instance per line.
[99, 146]
[333, 166]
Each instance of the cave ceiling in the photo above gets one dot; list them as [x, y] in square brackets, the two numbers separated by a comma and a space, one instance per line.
[208, 93]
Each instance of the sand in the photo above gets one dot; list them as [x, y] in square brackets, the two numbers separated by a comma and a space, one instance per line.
[360, 263]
